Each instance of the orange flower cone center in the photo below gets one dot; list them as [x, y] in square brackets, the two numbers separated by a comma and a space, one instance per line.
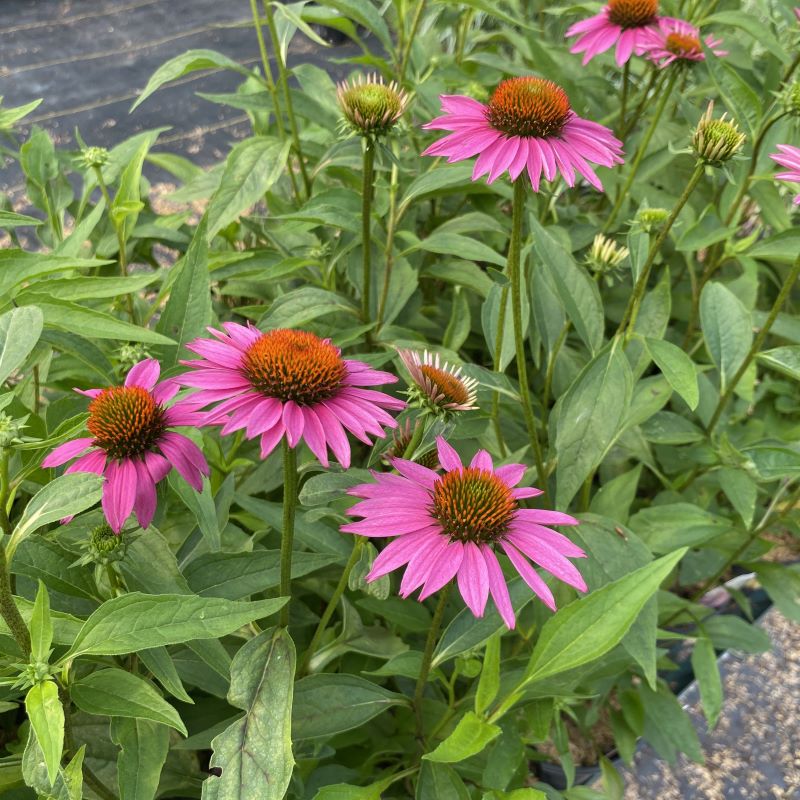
[528, 107]
[294, 365]
[473, 505]
[681, 44]
[632, 13]
[447, 384]
[125, 421]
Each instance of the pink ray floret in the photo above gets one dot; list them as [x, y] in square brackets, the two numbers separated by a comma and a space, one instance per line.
[452, 526]
[133, 445]
[789, 157]
[286, 383]
[675, 40]
[528, 125]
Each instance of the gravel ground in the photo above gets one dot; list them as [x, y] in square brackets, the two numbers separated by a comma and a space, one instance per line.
[754, 752]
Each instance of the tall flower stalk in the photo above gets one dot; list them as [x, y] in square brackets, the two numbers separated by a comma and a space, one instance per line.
[287, 532]
[367, 189]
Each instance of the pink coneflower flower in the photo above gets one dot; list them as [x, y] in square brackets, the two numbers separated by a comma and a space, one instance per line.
[437, 385]
[623, 23]
[132, 445]
[451, 525]
[528, 123]
[788, 156]
[677, 40]
[288, 383]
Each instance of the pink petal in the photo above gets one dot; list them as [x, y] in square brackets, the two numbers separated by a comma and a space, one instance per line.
[94, 461]
[448, 457]
[544, 517]
[145, 504]
[119, 492]
[530, 576]
[64, 452]
[186, 457]
[498, 588]
[550, 559]
[473, 579]
[443, 570]
[395, 554]
[144, 374]
[482, 460]
[293, 422]
[157, 466]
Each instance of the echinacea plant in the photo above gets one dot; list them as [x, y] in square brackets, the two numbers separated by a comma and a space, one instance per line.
[417, 444]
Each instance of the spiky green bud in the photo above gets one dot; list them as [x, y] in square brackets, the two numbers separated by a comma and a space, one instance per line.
[93, 157]
[370, 106]
[716, 141]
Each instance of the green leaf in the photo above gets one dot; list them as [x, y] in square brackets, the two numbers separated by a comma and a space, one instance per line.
[330, 703]
[489, 682]
[741, 491]
[781, 248]
[677, 368]
[188, 309]
[664, 527]
[41, 626]
[136, 621]
[470, 736]
[733, 633]
[590, 418]
[88, 288]
[614, 499]
[71, 317]
[8, 116]
[20, 329]
[10, 219]
[252, 167]
[300, 306]
[751, 25]
[46, 715]
[144, 747]
[19, 267]
[578, 292]
[438, 180]
[742, 102]
[466, 633]
[68, 784]
[589, 627]
[255, 752]
[127, 204]
[65, 496]
[785, 360]
[159, 662]
[190, 61]
[667, 727]
[116, 693]
[782, 583]
[237, 575]
[706, 673]
[364, 13]
[440, 782]
[727, 328]
[456, 244]
[201, 504]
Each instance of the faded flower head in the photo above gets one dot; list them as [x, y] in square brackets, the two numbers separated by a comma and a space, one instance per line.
[605, 254]
[94, 157]
[436, 386]
[716, 141]
[677, 41]
[371, 106]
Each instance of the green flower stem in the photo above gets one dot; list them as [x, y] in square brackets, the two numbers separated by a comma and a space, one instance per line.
[666, 92]
[269, 81]
[391, 227]
[497, 356]
[415, 21]
[332, 604]
[427, 658]
[287, 535]
[782, 297]
[414, 442]
[623, 101]
[284, 82]
[8, 608]
[368, 177]
[515, 279]
[632, 311]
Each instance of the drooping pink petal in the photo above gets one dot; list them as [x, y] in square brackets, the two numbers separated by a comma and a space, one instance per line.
[186, 457]
[498, 587]
[144, 505]
[144, 374]
[397, 553]
[444, 569]
[530, 576]
[64, 452]
[119, 492]
[473, 579]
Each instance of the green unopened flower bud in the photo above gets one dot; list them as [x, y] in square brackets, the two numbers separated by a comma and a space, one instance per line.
[791, 99]
[104, 546]
[10, 429]
[370, 106]
[716, 141]
[93, 157]
[651, 218]
[605, 255]
[130, 354]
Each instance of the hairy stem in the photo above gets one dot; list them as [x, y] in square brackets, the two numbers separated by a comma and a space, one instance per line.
[368, 178]
[427, 657]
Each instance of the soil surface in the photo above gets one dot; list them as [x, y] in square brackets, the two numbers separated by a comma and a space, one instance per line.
[753, 753]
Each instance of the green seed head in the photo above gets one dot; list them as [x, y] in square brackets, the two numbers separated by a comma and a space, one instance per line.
[10, 429]
[791, 99]
[370, 106]
[716, 141]
[651, 218]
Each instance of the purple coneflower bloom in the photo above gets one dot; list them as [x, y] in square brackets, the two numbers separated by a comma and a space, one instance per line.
[528, 123]
[438, 384]
[451, 525]
[623, 23]
[677, 40]
[132, 445]
[288, 383]
[789, 157]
